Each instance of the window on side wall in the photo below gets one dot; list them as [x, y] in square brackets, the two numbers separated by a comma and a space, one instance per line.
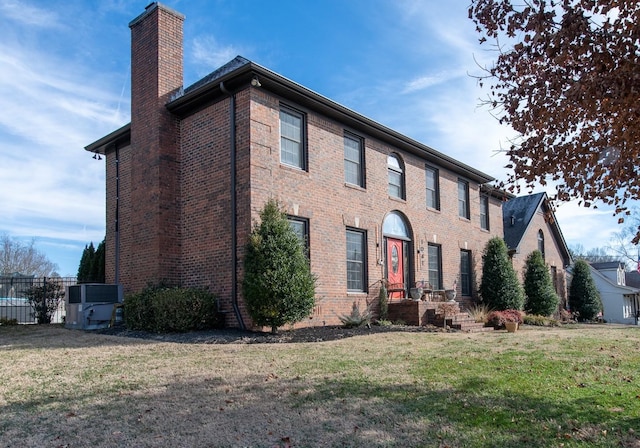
[300, 227]
[292, 138]
[433, 187]
[463, 199]
[353, 160]
[435, 265]
[356, 260]
[541, 242]
[396, 176]
[484, 212]
[465, 272]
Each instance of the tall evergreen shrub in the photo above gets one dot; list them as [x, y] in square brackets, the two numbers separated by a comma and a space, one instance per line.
[499, 287]
[91, 269]
[584, 298]
[278, 285]
[540, 296]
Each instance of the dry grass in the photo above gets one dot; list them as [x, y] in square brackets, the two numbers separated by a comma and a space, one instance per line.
[569, 386]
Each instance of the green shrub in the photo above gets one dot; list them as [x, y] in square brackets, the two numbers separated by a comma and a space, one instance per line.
[499, 288]
[7, 321]
[540, 321]
[584, 298]
[383, 300]
[541, 298]
[171, 309]
[45, 299]
[278, 285]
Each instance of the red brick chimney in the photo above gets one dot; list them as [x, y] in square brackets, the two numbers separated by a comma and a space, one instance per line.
[151, 244]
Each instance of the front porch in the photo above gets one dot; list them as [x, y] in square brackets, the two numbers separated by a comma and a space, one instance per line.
[422, 313]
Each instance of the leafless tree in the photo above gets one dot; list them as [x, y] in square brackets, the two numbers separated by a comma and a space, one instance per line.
[25, 259]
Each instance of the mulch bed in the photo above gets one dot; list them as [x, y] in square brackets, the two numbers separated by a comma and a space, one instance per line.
[231, 336]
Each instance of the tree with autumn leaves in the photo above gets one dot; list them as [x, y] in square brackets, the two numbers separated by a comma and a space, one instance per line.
[567, 79]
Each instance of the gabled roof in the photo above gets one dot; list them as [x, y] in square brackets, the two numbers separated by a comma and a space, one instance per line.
[607, 265]
[632, 279]
[623, 288]
[240, 72]
[517, 215]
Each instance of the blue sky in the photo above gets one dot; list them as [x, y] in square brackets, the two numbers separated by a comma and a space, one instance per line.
[64, 83]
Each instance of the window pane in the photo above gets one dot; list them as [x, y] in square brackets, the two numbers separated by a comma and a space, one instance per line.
[291, 145]
[355, 261]
[484, 212]
[353, 161]
[395, 184]
[465, 272]
[395, 177]
[432, 188]
[434, 266]
[463, 199]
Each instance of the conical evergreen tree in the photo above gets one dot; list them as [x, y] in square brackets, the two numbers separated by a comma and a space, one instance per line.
[540, 296]
[499, 287]
[584, 298]
[97, 264]
[278, 285]
[86, 261]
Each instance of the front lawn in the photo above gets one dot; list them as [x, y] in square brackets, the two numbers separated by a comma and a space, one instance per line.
[560, 387]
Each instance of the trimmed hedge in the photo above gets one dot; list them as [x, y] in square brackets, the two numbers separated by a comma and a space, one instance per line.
[171, 309]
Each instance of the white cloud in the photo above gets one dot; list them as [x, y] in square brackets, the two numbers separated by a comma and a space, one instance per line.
[209, 54]
[25, 14]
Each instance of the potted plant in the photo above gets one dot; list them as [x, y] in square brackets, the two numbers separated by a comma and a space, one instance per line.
[509, 319]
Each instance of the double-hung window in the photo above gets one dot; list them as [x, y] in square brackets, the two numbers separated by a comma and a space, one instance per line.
[435, 265]
[353, 160]
[463, 199]
[300, 227]
[433, 187]
[484, 212]
[292, 138]
[396, 176]
[465, 272]
[356, 260]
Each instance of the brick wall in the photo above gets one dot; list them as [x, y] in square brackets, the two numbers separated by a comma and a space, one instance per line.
[150, 237]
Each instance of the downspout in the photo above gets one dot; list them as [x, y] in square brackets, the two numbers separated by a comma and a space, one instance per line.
[117, 218]
[234, 218]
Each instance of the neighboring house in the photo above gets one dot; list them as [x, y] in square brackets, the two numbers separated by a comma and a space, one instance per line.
[529, 224]
[187, 178]
[620, 302]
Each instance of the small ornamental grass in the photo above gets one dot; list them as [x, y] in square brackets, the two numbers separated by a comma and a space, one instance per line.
[357, 317]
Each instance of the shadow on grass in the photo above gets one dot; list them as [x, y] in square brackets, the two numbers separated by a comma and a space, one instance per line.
[262, 410]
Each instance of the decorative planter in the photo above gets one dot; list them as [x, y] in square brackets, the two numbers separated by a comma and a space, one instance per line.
[416, 293]
[511, 327]
[451, 294]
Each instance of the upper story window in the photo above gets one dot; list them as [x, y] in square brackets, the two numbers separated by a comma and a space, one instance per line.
[484, 212]
[396, 176]
[433, 187]
[463, 199]
[353, 160]
[541, 242]
[292, 138]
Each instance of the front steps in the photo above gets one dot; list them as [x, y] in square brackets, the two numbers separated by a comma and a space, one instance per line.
[431, 313]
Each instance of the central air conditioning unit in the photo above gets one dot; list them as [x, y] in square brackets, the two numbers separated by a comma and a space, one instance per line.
[90, 306]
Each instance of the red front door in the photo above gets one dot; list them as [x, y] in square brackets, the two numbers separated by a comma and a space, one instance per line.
[395, 268]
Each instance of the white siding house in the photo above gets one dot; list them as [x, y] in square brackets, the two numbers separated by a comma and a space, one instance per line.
[621, 303]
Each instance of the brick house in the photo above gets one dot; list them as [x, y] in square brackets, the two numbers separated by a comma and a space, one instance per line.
[187, 178]
[530, 224]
